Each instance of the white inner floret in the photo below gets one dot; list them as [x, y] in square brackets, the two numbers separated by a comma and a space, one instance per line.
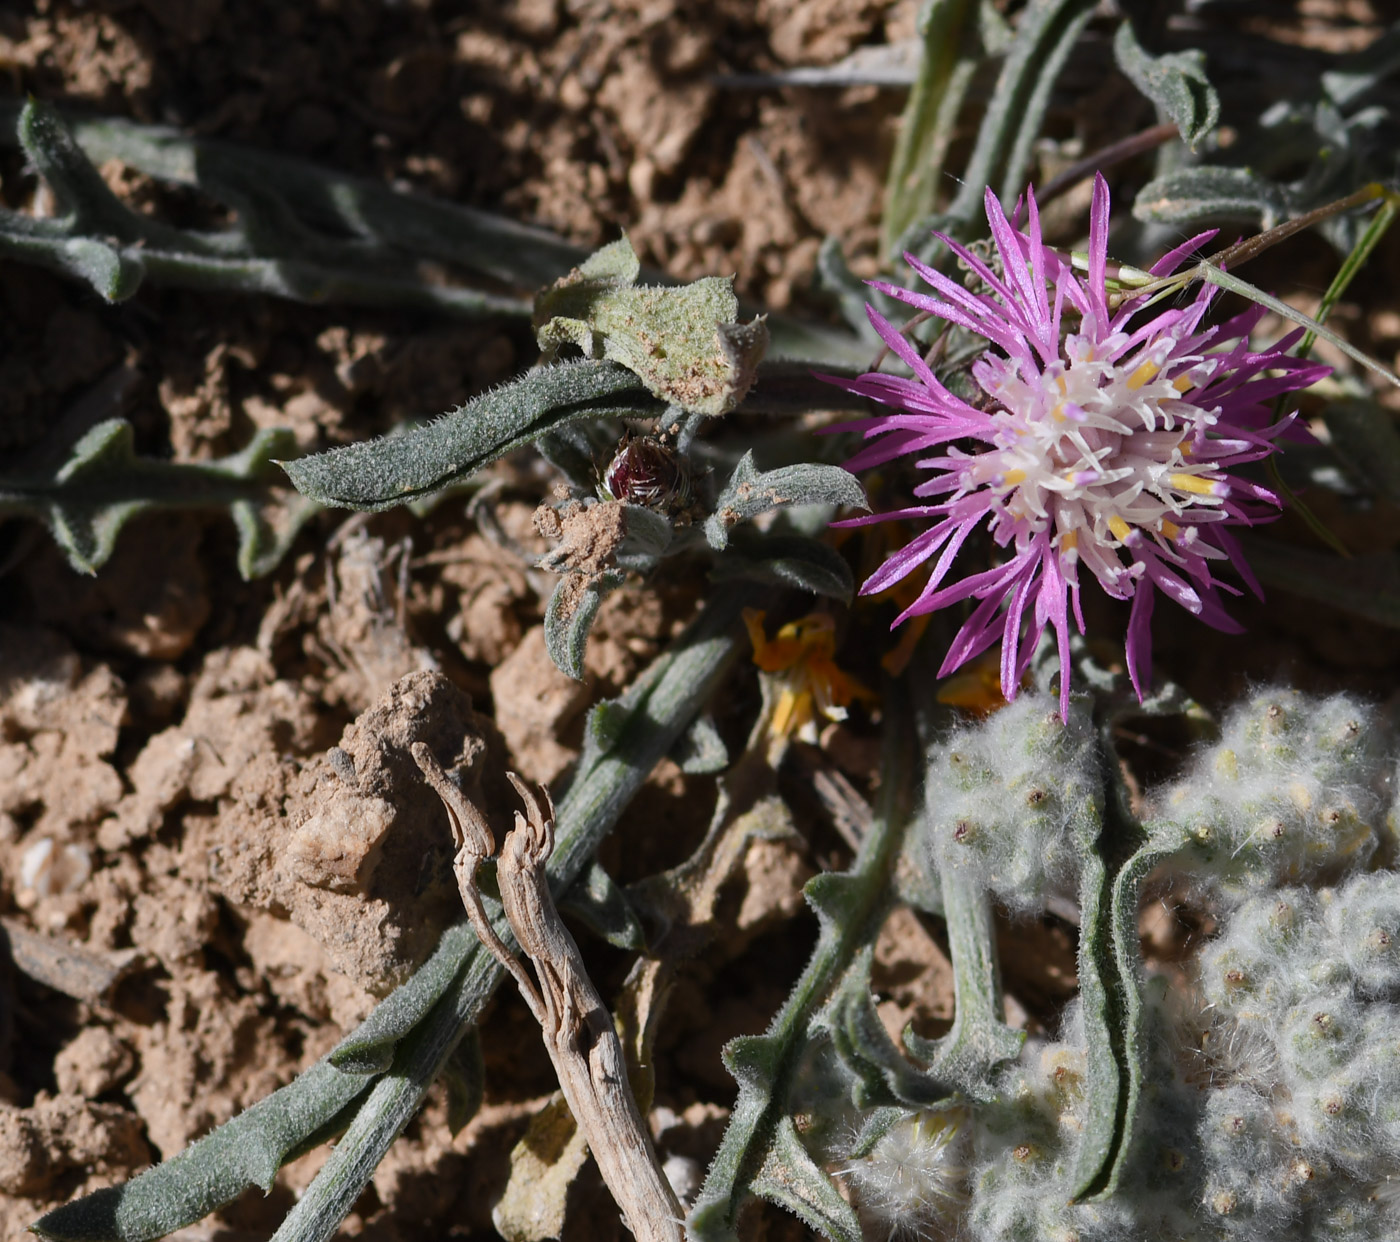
[1092, 449]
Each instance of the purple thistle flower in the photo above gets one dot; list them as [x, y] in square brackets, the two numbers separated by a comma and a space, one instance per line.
[1106, 444]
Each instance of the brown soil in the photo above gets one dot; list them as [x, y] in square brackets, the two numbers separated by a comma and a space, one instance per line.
[215, 852]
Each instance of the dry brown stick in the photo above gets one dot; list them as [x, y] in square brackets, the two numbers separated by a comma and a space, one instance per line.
[74, 969]
[578, 1030]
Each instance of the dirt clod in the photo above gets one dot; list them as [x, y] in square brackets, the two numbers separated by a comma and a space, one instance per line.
[363, 868]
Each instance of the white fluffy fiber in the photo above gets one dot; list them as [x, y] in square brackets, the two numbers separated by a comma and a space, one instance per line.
[1290, 793]
[1271, 1112]
[1306, 1148]
[1007, 799]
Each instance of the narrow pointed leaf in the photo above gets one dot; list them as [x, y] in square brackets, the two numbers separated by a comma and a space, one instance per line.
[1225, 280]
[790, 1177]
[379, 474]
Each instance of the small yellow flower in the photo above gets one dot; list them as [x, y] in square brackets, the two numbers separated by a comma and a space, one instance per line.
[804, 681]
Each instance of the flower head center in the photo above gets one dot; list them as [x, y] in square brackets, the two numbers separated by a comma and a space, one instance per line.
[1097, 449]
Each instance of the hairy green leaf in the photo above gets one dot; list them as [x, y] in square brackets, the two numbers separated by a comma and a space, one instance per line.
[271, 250]
[602, 907]
[1176, 82]
[379, 474]
[1045, 33]
[790, 1177]
[884, 1075]
[700, 750]
[86, 500]
[980, 1040]
[1211, 192]
[573, 607]
[1102, 990]
[1127, 958]
[683, 342]
[786, 560]
[369, 1048]
[749, 493]
[246, 1151]
[465, 1076]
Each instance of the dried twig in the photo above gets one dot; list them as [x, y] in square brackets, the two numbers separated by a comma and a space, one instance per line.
[73, 969]
[578, 1030]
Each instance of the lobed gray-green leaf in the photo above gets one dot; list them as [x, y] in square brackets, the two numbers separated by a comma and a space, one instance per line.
[757, 1154]
[700, 750]
[87, 499]
[790, 1177]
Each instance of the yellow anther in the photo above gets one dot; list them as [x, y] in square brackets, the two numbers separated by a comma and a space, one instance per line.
[1182, 382]
[1119, 527]
[1069, 541]
[1010, 478]
[1196, 484]
[1170, 529]
[1146, 372]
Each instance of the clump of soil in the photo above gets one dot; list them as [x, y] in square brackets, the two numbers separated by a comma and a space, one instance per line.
[353, 847]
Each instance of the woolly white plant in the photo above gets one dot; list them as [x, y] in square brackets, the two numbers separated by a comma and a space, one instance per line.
[913, 1182]
[1290, 793]
[1309, 1148]
[1269, 1109]
[1009, 798]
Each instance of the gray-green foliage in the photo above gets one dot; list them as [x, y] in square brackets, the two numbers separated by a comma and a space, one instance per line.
[272, 248]
[684, 342]
[761, 1153]
[86, 495]
[1176, 82]
[414, 463]
[1340, 138]
[1046, 32]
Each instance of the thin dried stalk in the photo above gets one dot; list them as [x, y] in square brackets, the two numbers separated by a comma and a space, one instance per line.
[578, 1030]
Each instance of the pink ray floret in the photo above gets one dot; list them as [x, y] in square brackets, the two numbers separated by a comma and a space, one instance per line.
[1108, 443]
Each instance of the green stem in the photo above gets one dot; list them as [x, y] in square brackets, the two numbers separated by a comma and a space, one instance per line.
[980, 1039]
[851, 906]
